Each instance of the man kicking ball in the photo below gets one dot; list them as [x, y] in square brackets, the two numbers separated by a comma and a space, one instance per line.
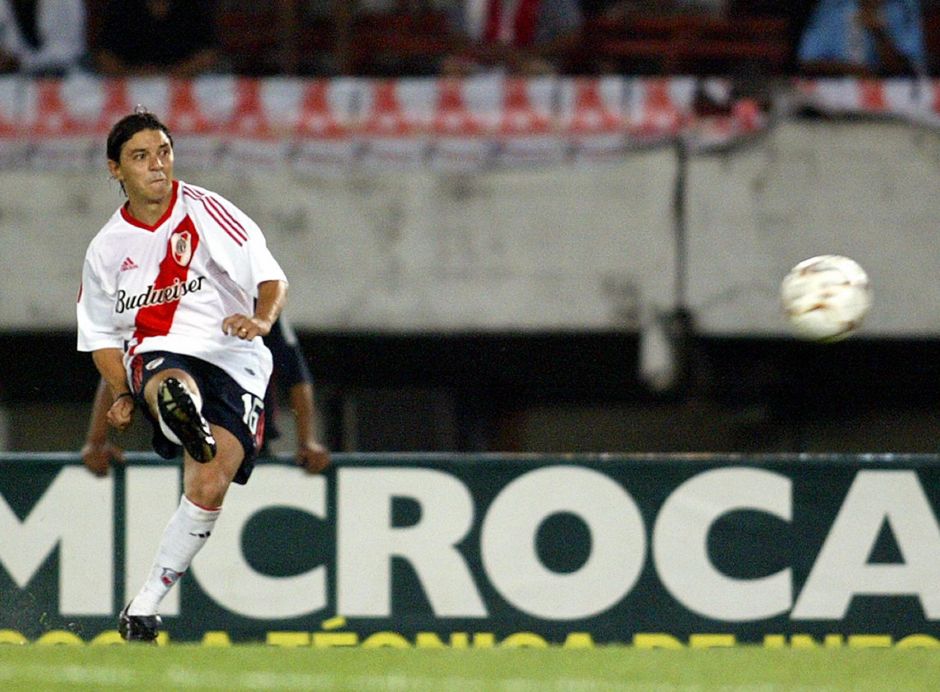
[176, 288]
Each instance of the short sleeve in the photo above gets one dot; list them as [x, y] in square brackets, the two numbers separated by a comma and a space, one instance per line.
[93, 312]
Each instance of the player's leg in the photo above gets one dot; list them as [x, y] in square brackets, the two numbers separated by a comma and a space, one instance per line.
[204, 488]
[183, 537]
[205, 482]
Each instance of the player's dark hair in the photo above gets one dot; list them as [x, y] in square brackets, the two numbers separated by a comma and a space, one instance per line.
[130, 125]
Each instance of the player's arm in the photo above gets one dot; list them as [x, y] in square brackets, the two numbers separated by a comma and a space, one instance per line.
[311, 454]
[271, 298]
[98, 451]
[110, 363]
[291, 372]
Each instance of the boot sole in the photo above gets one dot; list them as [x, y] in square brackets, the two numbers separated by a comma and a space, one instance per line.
[180, 414]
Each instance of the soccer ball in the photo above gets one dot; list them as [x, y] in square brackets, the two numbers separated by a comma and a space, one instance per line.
[825, 298]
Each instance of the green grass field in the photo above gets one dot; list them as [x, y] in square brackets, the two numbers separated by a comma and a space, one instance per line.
[39, 668]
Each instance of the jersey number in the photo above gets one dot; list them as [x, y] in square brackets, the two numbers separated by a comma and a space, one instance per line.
[254, 407]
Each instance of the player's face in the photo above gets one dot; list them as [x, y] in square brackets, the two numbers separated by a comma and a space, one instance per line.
[146, 167]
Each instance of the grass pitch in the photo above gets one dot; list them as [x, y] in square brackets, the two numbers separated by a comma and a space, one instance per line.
[38, 668]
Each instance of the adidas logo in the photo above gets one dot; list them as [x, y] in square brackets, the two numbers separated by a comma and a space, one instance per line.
[128, 263]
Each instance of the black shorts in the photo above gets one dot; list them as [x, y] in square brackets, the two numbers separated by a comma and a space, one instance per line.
[224, 403]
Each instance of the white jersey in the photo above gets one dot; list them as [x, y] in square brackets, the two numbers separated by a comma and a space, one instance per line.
[167, 287]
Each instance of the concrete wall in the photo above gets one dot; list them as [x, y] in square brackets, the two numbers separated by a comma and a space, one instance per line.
[547, 248]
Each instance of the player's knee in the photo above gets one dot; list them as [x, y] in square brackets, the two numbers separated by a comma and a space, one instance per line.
[211, 481]
[208, 488]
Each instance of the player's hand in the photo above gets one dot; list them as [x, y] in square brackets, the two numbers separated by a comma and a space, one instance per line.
[98, 456]
[245, 327]
[121, 412]
[313, 457]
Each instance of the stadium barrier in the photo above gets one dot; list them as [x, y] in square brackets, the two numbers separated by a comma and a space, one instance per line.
[470, 551]
[346, 125]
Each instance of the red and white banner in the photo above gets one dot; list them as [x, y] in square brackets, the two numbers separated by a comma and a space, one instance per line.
[467, 124]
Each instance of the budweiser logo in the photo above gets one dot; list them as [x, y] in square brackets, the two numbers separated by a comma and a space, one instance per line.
[159, 296]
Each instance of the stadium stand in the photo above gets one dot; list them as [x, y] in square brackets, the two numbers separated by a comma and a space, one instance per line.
[399, 43]
[258, 38]
[282, 38]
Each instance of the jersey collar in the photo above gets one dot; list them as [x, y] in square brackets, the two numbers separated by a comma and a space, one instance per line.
[126, 215]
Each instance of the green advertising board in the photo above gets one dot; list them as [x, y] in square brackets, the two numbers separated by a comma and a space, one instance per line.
[490, 550]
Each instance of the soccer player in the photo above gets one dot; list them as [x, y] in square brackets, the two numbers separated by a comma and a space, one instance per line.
[290, 373]
[176, 288]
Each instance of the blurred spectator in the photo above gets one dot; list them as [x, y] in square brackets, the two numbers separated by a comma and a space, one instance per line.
[42, 37]
[867, 38]
[143, 37]
[525, 37]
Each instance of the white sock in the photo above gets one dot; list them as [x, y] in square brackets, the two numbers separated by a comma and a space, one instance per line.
[184, 536]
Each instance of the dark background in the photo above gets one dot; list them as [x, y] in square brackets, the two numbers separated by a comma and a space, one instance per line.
[550, 392]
